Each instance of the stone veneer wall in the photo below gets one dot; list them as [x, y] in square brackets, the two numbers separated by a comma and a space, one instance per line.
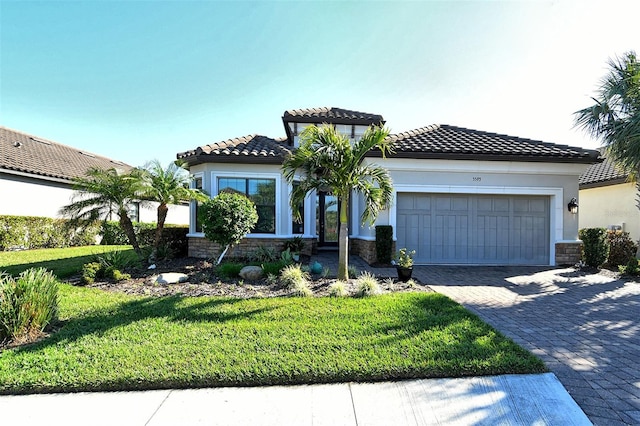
[202, 248]
[568, 253]
[366, 249]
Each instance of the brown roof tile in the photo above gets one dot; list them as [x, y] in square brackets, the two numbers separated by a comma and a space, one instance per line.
[451, 142]
[331, 115]
[30, 154]
[602, 174]
[246, 149]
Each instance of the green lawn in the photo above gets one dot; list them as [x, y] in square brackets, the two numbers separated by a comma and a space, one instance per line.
[63, 262]
[118, 342]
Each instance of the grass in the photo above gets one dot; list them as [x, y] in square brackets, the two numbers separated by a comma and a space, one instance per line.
[109, 341]
[63, 262]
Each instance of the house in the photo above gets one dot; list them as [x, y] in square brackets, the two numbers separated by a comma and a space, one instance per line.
[608, 199]
[36, 177]
[461, 196]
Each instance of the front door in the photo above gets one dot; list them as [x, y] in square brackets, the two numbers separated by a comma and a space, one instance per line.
[327, 219]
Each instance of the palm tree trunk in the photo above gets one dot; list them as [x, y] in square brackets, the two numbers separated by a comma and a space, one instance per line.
[343, 241]
[162, 216]
[127, 227]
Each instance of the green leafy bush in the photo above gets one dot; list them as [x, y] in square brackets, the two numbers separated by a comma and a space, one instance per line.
[90, 271]
[27, 304]
[595, 247]
[631, 268]
[229, 269]
[30, 232]
[367, 284]
[293, 276]
[384, 243]
[174, 240]
[621, 248]
[263, 253]
[273, 268]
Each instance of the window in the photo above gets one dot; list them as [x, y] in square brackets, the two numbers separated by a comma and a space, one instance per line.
[298, 227]
[262, 192]
[197, 184]
[134, 212]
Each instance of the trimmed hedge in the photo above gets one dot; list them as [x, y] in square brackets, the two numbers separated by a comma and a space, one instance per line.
[32, 232]
[595, 247]
[174, 237]
[384, 243]
[621, 248]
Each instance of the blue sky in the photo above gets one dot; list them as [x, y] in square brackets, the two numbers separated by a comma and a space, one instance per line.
[138, 80]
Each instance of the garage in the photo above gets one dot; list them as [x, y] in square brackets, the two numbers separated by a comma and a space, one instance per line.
[474, 229]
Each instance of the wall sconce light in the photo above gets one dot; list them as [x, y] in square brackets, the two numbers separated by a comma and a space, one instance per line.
[573, 206]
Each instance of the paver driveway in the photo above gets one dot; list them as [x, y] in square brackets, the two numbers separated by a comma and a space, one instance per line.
[585, 326]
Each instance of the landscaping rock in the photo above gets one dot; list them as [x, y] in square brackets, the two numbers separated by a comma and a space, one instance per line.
[172, 278]
[251, 273]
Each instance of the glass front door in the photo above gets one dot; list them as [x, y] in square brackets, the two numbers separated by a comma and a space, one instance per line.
[327, 219]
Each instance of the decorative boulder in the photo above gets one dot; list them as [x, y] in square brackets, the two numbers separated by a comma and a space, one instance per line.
[172, 278]
[251, 273]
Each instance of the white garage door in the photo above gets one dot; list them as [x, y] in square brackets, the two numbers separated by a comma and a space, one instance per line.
[474, 229]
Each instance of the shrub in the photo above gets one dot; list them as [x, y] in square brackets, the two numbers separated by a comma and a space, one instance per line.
[27, 304]
[292, 276]
[90, 271]
[352, 271]
[273, 268]
[595, 248]
[229, 269]
[117, 259]
[31, 232]
[384, 243]
[263, 253]
[367, 285]
[174, 240]
[338, 289]
[301, 289]
[631, 268]
[621, 248]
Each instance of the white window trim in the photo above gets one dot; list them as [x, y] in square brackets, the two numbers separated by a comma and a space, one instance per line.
[244, 175]
[556, 204]
[309, 214]
[192, 206]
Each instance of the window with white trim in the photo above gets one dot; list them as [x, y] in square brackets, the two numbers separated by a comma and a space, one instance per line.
[259, 190]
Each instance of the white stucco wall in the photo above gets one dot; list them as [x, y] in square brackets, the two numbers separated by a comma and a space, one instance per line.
[610, 205]
[26, 196]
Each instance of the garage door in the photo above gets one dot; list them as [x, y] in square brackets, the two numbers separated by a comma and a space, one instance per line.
[474, 229]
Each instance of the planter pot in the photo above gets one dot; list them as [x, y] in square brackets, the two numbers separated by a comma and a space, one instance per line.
[404, 274]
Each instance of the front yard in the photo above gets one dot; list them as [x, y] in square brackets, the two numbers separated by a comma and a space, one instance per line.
[115, 341]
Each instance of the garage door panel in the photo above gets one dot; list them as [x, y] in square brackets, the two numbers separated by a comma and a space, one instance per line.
[475, 229]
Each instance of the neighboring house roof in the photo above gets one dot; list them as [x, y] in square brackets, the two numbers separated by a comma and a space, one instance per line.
[31, 155]
[603, 174]
[331, 115]
[458, 143]
[246, 149]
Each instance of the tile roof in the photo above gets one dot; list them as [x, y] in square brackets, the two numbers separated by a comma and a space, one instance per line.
[30, 154]
[451, 142]
[331, 115]
[602, 174]
[246, 149]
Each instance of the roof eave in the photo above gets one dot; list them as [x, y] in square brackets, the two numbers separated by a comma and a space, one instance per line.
[337, 120]
[603, 183]
[485, 157]
[193, 160]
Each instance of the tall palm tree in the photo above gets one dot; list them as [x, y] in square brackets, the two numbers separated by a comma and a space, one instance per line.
[331, 163]
[166, 186]
[615, 116]
[101, 193]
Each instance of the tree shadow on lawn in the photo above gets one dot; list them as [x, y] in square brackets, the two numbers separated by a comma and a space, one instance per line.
[171, 308]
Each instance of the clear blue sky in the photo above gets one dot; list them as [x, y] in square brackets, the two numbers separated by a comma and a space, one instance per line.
[138, 80]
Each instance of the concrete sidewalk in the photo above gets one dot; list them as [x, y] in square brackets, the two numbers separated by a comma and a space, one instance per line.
[509, 400]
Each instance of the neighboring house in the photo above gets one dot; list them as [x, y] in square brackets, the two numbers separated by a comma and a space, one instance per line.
[608, 199]
[461, 196]
[36, 177]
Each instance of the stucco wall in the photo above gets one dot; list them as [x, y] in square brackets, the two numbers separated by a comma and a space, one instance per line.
[25, 196]
[610, 205]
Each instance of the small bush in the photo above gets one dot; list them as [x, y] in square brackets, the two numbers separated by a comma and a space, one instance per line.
[263, 253]
[621, 248]
[631, 268]
[352, 271]
[338, 289]
[90, 271]
[293, 276]
[27, 304]
[31, 232]
[229, 270]
[595, 248]
[301, 289]
[384, 243]
[367, 285]
[273, 268]
[117, 259]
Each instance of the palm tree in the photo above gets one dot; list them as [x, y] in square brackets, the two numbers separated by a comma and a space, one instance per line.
[615, 116]
[166, 186]
[101, 193]
[331, 163]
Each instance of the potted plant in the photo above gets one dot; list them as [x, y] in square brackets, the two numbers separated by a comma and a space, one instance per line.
[295, 246]
[404, 264]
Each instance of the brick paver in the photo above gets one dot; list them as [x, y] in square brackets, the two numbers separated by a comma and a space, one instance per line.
[584, 326]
